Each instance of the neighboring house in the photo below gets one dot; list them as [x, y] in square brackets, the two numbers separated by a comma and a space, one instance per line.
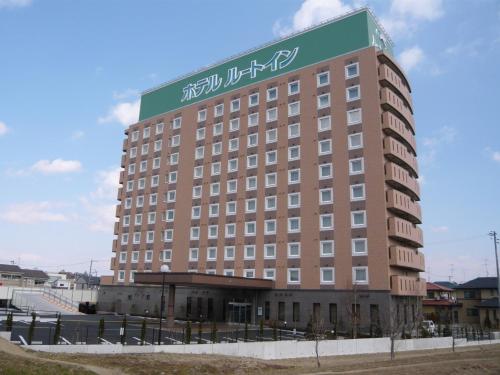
[12, 275]
[83, 281]
[446, 284]
[440, 305]
[479, 305]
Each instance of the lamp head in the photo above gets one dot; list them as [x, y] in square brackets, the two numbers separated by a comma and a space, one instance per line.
[164, 268]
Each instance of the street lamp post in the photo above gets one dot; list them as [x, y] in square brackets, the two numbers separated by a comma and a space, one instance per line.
[163, 269]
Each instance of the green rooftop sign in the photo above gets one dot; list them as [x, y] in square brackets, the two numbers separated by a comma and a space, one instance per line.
[337, 37]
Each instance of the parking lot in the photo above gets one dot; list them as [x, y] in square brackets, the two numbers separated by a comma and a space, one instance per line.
[83, 329]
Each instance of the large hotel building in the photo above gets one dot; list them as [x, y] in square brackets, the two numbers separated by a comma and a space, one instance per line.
[289, 171]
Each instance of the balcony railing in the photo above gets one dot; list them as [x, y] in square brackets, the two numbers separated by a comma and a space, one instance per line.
[401, 179]
[395, 127]
[404, 206]
[398, 153]
[406, 257]
[125, 145]
[405, 231]
[408, 286]
[112, 263]
[391, 101]
[389, 76]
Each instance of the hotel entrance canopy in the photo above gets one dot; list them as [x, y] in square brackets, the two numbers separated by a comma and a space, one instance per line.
[201, 279]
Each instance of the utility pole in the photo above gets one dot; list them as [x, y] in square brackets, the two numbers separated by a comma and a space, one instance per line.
[90, 273]
[495, 242]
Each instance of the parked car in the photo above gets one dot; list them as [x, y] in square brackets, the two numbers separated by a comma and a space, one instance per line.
[429, 326]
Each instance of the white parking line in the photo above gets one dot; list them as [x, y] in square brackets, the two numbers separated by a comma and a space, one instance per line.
[65, 341]
[173, 340]
[139, 340]
[105, 341]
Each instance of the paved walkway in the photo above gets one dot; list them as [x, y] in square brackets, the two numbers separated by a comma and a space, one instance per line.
[42, 304]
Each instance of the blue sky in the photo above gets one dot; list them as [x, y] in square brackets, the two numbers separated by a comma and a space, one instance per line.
[71, 72]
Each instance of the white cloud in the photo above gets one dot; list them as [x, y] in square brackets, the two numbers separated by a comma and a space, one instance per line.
[411, 58]
[125, 94]
[496, 156]
[14, 3]
[33, 212]
[443, 136]
[312, 12]
[440, 229]
[77, 134]
[56, 166]
[100, 204]
[126, 113]
[404, 16]
[3, 128]
[428, 10]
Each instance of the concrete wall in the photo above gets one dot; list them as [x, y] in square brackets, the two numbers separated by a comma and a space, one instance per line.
[272, 350]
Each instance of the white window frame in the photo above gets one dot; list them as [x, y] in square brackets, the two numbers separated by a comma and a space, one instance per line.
[353, 198]
[209, 249]
[290, 182]
[292, 105]
[289, 246]
[353, 214]
[324, 216]
[289, 200]
[266, 203]
[289, 279]
[290, 219]
[321, 201]
[211, 233]
[219, 110]
[347, 76]
[360, 282]
[194, 233]
[351, 137]
[351, 172]
[268, 94]
[269, 176]
[253, 119]
[251, 178]
[327, 142]
[328, 102]
[247, 205]
[194, 210]
[273, 246]
[290, 149]
[235, 105]
[227, 233]
[218, 129]
[194, 254]
[272, 152]
[269, 270]
[202, 115]
[234, 124]
[250, 104]
[213, 210]
[318, 79]
[177, 123]
[348, 99]
[270, 111]
[292, 126]
[200, 134]
[356, 110]
[266, 231]
[229, 187]
[321, 249]
[329, 123]
[250, 161]
[290, 87]
[272, 139]
[353, 246]
[248, 233]
[320, 168]
[245, 252]
[231, 204]
[229, 257]
[322, 280]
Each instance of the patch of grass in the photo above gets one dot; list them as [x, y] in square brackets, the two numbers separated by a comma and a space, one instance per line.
[15, 365]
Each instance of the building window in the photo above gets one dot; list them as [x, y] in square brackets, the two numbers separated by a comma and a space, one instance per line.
[358, 192]
[253, 119]
[252, 140]
[195, 212]
[360, 275]
[213, 231]
[213, 210]
[148, 256]
[270, 251]
[272, 94]
[170, 215]
[358, 219]
[198, 172]
[293, 87]
[326, 221]
[138, 219]
[128, 203]
[219, 110]
[253, 99]
[353, 93]
[270, 180]
[355, 141]
[195, 233]
[132, 152]
[250, 228]
[322, 79]
[230, 208]
[325, 171]
[232, 186]
[270, 226]
[235, 105]
[271, 136]
[217, 148]
[359, 246]
[294, 109]
[293, 131]
[216, 168]
[135, 136]
[293, 276]
[230, 228]
[202, 115]
[168, 235]
[136, 238]
[294, 250]
[293, 224]
[229, 253]
[193, 255]
[121, 276]
[354, 116]
[176, 124]
[200, 134]
[126, 221]
[251, 161]
[294, 176]
[293, 200]
[171, 196]
[145, 133]
[251, 205]
[197, 191]
[166, 255]
[131, 169]
[326, 248]
[151, 217]
[249, 273]
[327, 275]
[229, 272]
[123, 257]
[174, 159]
[140, 201]
[325, 147]
[232, 165]
[234, 124]
[356, 166]
[271, 157]
[211, 253]
[251, 183]
[249, 252]
[293, 153]
[352, 70]
[153, 199]
[145, 149]
[214, 189]
[326, 196]
[270, 203]
[269, 273]
[218, 129]
[155, 180]
[156, 163]
[323, 101]
[234, 144]
[271, 114]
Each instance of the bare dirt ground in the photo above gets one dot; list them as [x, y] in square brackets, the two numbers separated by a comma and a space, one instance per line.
[477, 360]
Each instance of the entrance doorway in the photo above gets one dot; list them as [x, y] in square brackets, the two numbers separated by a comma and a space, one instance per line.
[239, 312]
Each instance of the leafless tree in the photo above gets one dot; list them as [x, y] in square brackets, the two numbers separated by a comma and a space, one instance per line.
[352, 309]
[316, 331]
[393, 325]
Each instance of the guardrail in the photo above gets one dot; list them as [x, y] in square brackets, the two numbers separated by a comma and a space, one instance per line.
[71, 300]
